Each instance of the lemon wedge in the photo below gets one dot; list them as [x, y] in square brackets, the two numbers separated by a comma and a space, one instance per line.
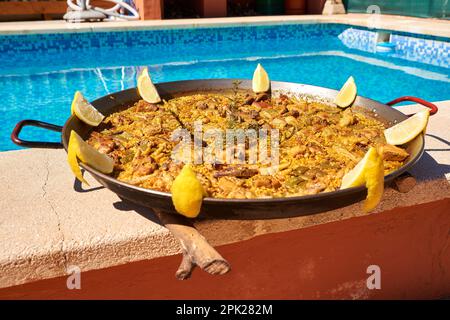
[187, 193]
[374, 183]
[347, 94]
[368, 171]
[260, 82]
[73, 161]
[146, 88]
[407, 130]
[85, 111]
[356, 176]
[79, 149]
[76, 98]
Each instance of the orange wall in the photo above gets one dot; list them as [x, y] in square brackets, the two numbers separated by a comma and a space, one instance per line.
[150, 9]
[410, 245]
[211, 8]
[315, 6]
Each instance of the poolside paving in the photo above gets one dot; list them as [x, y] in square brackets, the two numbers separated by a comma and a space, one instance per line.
[49, 223]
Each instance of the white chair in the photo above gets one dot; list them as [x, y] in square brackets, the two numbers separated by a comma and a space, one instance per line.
[82, 10]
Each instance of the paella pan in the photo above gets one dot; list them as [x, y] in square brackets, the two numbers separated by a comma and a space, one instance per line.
[318, 143]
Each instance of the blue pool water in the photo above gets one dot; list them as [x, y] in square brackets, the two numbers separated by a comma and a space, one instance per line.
[40, 73]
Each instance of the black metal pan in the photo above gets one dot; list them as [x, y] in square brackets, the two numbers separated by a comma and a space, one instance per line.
[233, 208]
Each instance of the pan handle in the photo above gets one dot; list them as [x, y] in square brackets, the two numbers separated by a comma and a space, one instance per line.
[432, 106]
[35, 144]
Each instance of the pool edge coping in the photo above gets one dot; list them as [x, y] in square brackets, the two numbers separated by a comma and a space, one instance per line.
[420, 26]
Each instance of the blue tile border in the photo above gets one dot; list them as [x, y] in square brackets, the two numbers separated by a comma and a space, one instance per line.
[431, 50]
[35, 49]
[16, 44]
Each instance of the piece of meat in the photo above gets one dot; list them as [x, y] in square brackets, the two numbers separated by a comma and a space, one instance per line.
[392, 153]
[253, 114]
[217, 165]
[202, 105]
[314, 148]
[261, 105]
[278, 123]
[284, 111]
[228, 184]
[153, 129]
[291, 121]
[261, 97]
[369, 133]
[239, 172]
[249, 100]
[315, 188]
[267, 182]
[314, 173]
[143, 165]
[248, 116]
[263, 182]
[347, 118]
[104, 144]
[294, 113]
[297, 149]
[117, 156]
[222, 112]
[276, 183]
[143, 106]
[119, 120]
[316, 120]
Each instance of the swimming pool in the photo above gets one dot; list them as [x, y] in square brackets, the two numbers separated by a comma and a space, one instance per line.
[40, 72]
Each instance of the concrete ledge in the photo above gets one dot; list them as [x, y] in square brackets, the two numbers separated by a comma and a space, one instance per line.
[436, 27]
[48, 223]
[411, 247]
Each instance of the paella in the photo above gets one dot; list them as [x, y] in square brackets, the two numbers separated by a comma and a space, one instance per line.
[317, 143]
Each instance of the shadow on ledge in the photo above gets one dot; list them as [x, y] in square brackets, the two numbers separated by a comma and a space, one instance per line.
[428, 169]
[78, 187]
[439, 139]
[126, 205]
